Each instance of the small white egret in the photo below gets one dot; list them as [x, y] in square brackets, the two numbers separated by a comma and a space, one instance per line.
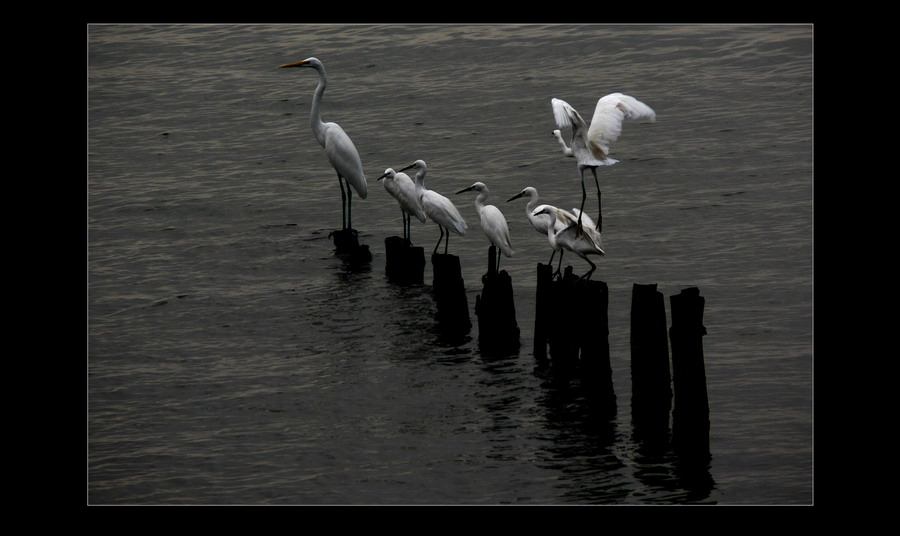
[541, 221]
[438, 208]
[340, 150]
[492, 221]
[590, 145]
[582, 242]
[403, 189]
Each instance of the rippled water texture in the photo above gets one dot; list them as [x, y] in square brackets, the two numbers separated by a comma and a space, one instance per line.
[234, 359]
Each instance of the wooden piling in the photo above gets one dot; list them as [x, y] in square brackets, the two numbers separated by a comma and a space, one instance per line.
[651, 394]
[450, 293]
[346, 244]
[690, 417]
[496, 309]
[405, 263]
[542, 310]
[592, 309]
[563, 338]
[572, 320]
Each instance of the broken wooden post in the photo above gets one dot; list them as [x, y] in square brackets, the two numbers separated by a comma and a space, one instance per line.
[592, 325]
[690, 417]
[573, 319]
[562, 335]
[450, 293]
[651, 391]
[542, 310]
[496, 309]
[405, 263]
[347, 246]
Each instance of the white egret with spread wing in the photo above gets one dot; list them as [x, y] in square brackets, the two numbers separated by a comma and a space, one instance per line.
[437, 208]
[590, 144]
[493, 223]
[581, 241]
[403, 189]
[339, 148]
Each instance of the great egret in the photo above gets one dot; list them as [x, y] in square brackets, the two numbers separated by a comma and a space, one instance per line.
[582, 242]
[492, 221]
[403, 189]
[340, 150]
[438, 208]
[590, 145]
[541, 221]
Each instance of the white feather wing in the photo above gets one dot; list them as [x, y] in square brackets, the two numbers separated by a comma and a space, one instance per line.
[345, 158]
[494, 225]
[611, 111]
[565, 115]
[442, 211]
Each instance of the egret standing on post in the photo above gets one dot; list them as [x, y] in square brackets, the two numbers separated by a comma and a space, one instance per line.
[492, 221]
[590, 145]
[403, 189]
[539, 220]
[582, 242]
[438, 208]
[340, 150]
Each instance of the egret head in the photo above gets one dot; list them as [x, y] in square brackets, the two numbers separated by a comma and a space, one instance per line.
[529, 191]
[544, 209]
[418, 164]
[478, 187]
[557, 133]
[387, 173]
[308, 62]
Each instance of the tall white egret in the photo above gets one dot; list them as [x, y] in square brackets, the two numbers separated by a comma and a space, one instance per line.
[590, 144]
[492, 221]
[403, 189]
[340, 150]
[438, 208]
[541, 221]
[582, 242]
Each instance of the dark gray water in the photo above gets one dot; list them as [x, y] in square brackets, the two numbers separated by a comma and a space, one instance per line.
[234, 359]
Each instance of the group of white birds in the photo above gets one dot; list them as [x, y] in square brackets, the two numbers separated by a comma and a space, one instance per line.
[573, 231]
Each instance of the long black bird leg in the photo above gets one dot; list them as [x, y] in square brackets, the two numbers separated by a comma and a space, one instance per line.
[343, 203]
[599, 207]
[441, 229]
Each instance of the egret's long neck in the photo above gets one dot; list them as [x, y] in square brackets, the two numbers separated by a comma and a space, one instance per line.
[420, 182]
[532, 204]
[479, 201]
[315, 118]
[565, 148]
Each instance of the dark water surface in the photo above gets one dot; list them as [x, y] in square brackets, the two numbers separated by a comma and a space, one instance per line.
[234, 359]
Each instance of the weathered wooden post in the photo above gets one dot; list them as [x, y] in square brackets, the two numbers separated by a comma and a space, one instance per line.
[690, 417]
[347, 246]
[450, 293]
[562, 335]
[496, 309]
[576, 327]
[405, 263]
[592, 325]
[651, 391]
[542, 310]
